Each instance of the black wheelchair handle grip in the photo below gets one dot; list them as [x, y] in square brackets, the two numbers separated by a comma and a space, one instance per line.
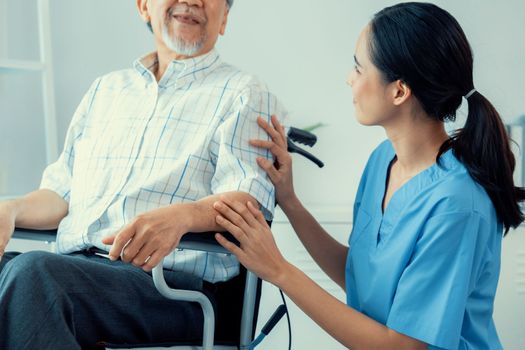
[301, 136]
[276, 317]
[292, 148]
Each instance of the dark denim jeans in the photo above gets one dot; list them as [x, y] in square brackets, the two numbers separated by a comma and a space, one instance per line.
[51, 301]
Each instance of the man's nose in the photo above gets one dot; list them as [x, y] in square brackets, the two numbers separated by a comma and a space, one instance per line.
[196, 3]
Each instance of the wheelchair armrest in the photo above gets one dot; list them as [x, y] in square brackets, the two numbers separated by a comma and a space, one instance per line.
[204, 241]
[48, 236]
[192, 241]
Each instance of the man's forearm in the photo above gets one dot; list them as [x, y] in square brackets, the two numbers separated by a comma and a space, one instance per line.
[154, 234]
[41, 209]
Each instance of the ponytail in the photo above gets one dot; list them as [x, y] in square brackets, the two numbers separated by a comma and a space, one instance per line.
[425, 47]
[483, 147]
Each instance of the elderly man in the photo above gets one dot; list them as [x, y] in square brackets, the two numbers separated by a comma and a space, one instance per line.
[148, 151]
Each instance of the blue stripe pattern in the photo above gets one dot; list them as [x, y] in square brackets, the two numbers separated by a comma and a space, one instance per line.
[135, 144]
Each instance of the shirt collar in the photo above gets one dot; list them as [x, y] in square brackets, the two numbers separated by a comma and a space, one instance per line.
[180, 72]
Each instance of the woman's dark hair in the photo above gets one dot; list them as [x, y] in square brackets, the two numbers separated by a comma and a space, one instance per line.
[425, 47]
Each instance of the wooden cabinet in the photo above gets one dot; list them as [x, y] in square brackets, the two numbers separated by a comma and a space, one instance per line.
[305, 332]
[509, 307]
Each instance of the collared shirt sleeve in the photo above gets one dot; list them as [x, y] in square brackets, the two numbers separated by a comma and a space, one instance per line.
[57, 176]
[431, 297]
[236, 168]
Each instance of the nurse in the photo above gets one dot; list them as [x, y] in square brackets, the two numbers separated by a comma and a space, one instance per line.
[422, 264]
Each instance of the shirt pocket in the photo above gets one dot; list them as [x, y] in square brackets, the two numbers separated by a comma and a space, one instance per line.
[362, 221]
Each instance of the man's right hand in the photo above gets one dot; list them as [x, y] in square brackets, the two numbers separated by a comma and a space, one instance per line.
[40, 210]
[7, 224]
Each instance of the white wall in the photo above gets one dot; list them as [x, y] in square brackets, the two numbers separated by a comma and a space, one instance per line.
[20, 122]
[303, 50]
[91, 38]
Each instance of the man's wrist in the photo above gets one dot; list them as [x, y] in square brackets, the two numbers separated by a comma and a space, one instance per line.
[184, 214]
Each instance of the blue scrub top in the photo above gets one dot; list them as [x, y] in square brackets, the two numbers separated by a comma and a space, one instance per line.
[428, 266]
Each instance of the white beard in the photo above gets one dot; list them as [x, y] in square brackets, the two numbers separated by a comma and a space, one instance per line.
[180, 46]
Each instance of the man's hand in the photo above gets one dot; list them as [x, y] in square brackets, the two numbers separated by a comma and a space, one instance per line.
[149, 237]
[7, 224]
[153, 235]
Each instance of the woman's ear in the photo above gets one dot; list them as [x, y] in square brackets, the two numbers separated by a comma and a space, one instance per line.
[401, 92]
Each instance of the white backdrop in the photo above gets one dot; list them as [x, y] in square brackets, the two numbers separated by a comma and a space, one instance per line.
[303, 50]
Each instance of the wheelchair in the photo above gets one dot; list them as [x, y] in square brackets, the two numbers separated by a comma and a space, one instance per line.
[246, 286]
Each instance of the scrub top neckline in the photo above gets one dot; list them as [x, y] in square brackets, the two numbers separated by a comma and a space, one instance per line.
[433, 259]
[422, 178]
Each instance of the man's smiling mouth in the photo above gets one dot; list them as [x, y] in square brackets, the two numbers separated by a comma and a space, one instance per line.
[187, 18]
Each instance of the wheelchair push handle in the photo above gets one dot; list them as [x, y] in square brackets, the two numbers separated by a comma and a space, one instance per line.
[276, 317]
[303, 137]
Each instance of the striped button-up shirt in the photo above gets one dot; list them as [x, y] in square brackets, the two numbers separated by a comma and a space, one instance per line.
[135, 144]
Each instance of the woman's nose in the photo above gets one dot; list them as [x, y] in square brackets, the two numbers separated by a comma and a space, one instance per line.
[350, 79]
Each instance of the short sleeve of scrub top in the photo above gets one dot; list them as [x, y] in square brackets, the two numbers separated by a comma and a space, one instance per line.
[428, 266]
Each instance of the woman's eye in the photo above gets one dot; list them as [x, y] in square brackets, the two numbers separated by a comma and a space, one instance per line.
[356, 69]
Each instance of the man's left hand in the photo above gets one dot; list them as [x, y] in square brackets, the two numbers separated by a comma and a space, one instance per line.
[148, 238]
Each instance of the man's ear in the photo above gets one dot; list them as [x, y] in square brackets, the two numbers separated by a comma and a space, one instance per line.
[224, 21]
[401, 92]
[143, 7]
